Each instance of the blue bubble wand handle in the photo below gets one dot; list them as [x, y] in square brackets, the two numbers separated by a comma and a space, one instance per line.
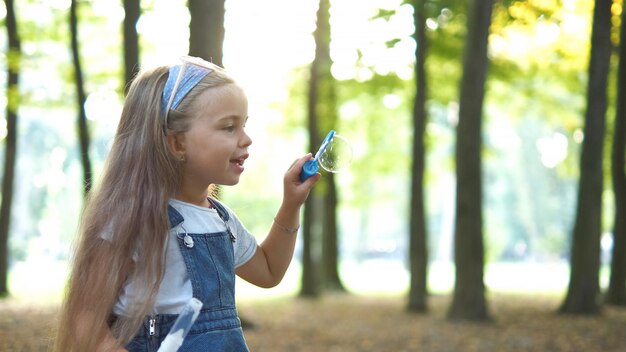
[310, 167]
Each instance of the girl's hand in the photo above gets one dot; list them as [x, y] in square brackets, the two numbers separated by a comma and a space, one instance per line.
[295, 192]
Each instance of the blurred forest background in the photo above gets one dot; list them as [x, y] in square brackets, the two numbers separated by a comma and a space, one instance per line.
[488, 137]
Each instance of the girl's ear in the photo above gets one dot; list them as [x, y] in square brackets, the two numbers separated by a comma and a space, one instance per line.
[176, 143]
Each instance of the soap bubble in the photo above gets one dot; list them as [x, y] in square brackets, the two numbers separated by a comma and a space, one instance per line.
[338, 155]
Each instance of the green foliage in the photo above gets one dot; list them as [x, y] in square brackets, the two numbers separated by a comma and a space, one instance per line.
[536, 94]
[48, 195]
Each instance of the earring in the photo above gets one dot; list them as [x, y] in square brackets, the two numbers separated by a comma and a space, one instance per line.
[182, 159]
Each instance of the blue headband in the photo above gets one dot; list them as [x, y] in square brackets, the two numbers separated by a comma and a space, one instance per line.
[191, 76]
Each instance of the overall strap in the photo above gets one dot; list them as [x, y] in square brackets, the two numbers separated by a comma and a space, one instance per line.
[223, 213]
[174, 216]
[221, 210]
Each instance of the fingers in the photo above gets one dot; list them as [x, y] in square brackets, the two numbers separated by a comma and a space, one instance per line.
[296, 191]
[311, 181]
[297, 164]
[293, 173]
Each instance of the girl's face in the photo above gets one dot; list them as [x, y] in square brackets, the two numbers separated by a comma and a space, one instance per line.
[216, 144]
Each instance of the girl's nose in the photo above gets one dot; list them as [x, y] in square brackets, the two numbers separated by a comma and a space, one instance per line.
[245, 140]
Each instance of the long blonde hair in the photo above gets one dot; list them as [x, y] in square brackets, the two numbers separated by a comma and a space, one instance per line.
[124, 225]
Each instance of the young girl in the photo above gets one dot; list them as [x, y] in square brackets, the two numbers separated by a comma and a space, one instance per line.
[152, 236]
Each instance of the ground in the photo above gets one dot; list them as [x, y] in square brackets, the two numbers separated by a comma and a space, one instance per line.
[365, 323]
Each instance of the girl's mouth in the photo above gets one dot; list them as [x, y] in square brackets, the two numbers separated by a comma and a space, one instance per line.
[239, 161]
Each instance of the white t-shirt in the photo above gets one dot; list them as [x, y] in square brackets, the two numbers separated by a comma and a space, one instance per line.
[175, 290]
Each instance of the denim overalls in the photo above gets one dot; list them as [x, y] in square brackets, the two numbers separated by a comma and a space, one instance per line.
[210, 266]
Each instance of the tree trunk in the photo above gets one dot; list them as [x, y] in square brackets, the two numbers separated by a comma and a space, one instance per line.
[583, 290]
[206, 29]
[616, 293]
[311, 229]
[132, 11]
[469, 289]
[310, 286]
[418, 252]
[13, 101]
[83, 130]
[326, 112]
[332, 280]
[320, 223]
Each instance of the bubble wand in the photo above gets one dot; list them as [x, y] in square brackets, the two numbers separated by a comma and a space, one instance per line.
[310, 167]
[181, 326]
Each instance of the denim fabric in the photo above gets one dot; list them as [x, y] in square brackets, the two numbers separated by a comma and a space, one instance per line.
[210, 266]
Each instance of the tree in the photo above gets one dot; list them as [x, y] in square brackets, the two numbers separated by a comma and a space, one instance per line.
[206, 29]
[13, 100]
[616, 293]
[310, 286]
[321, 207]
[326, 114]
[330, 239]
[469, 289]
[132, 11]
[310, 275]
[418, 252]
[83, 129]
[583, 290]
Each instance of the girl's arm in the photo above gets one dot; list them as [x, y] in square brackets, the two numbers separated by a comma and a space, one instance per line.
[271, 260]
